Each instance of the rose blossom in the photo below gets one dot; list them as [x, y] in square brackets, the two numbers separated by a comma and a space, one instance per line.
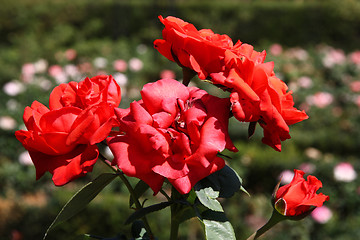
[299, 196]
[61, 140]
[257, 95]
[174, 132]
[135, 64]
[90, 91]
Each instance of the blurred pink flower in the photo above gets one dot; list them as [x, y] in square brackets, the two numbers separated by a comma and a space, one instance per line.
[355, 57]
[120, 65]
[298, 53]
[275, 49]
[344, 172]
[320, 99]
[286, 176]
[305, 82]
[100, 62]
[70, 54]
[58, 73]
[121, 79]
[85, 67]
[321, 214]
[28, 70]
[308, 168]
[135, 64]
[355, 86]
[334, 57]
[55, 70]
[167, 74]
[40, 66]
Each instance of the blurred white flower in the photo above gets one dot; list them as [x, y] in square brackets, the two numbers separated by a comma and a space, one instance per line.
[313, 153]
[286, 176]
[321, 214]
[344, 172]
[25, 159]
[40, 66]
[305, 82]
[45, 84]
[120, 78]
[72, 71]
[13, 88]
[7, 123]
[135, 64]
[12, 105]
[333, 57]
[100, 62]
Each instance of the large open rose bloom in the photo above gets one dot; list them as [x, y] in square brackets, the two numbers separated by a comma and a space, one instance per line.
[299, 196]
[62, 140]
[257, 95]
[174, 132]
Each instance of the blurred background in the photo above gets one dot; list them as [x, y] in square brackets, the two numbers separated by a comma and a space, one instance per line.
[316, 49]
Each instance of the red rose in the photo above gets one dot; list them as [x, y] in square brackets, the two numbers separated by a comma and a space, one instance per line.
[257, 95]
[174, 132]
[202, 51]
[63, 141]
[299, 197]
[86, 93]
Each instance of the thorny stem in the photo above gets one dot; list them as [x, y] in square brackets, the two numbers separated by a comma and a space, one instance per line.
[131, 191]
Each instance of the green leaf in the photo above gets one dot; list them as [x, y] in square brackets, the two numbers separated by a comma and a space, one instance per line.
[140, 188]
[207, 196]
[143, 211]
[217, 226]
[83, 197]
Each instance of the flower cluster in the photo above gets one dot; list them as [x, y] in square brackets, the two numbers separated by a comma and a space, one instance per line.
[257, 95]
[174, 133]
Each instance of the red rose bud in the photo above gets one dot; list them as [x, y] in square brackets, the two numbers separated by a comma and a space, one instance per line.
[299, 197]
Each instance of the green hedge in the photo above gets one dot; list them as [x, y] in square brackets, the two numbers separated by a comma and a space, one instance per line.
[48, 24]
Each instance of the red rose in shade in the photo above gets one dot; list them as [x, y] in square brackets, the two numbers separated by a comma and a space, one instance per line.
[86, 93]
[62, 141]
[257, 95]
[174, 132]
[299, 196]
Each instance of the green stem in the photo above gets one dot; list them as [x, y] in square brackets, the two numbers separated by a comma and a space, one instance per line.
[274, 219]
[174, 230]
[131, 191]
